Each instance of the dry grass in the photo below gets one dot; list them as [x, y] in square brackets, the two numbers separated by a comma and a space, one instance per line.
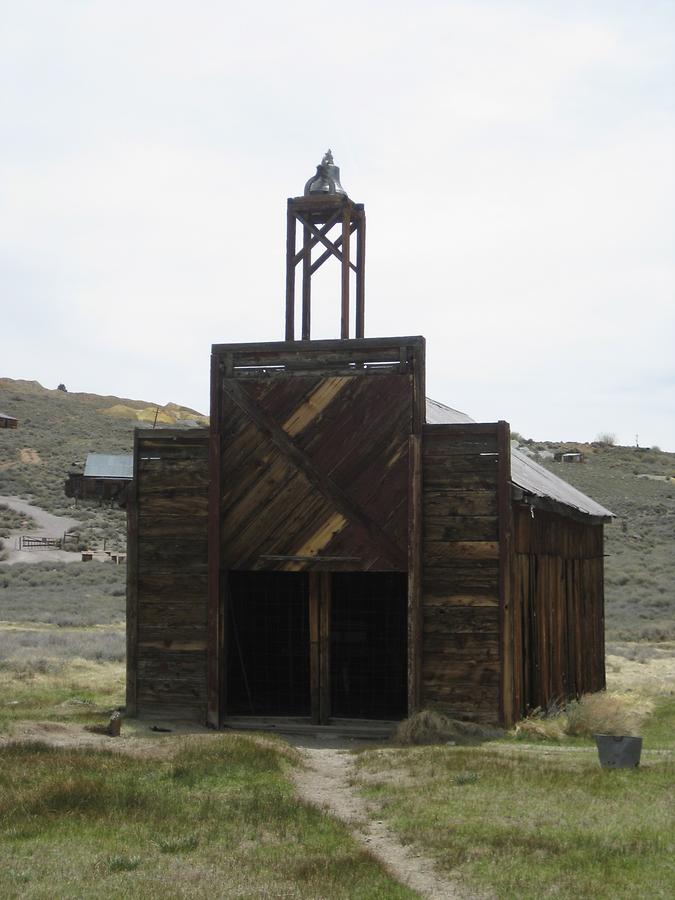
[430, 727]
[606, 712]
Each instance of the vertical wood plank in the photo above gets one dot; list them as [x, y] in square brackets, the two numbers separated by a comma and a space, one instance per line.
[346, 239]
[290, 271]
[600, 616]
[216, 630]
[306, 283]
[325, 604]
[361, 274]
[415, 527]
[419, 415]
[505, 560]
[132, 588]
[315, 645]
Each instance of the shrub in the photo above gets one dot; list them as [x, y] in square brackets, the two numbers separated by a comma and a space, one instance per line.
[430, 727]
[607, 713]
[607, 438]
[600, 713]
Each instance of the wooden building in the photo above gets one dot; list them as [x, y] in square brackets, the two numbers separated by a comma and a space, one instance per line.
[336, 547]
[106, 477]
[7, 421]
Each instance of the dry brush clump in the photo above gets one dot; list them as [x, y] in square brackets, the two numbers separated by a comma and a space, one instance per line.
[605, 712]
[431, 727]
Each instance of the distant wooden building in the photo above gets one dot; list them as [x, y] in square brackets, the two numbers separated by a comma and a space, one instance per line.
[337, 547]
[7, 421]
[106, 477]
[569, 456]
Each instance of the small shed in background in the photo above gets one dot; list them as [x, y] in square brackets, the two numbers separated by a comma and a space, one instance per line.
[569, 456]
[7, 421]
[106, 478]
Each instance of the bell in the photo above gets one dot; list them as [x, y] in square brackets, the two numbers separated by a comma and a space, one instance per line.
[327, 178]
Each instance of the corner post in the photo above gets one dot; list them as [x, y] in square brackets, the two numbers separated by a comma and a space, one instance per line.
[415, 356]
[132, 590]
[346, 222]
[360, 271]
[505, 514]
[215, 642]
[290, 271]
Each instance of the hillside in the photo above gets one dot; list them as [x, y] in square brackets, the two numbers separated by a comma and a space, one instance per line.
[58, 429]
[638, 485]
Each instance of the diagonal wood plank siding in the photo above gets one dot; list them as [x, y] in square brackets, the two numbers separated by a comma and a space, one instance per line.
[316, 467]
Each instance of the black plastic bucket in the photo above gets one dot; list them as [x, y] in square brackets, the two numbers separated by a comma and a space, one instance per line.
[618, 752]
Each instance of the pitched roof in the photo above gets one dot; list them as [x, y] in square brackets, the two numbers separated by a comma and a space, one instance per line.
[526, 474]
[107, 465]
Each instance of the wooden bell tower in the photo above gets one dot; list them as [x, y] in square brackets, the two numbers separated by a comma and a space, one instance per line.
[324, 206]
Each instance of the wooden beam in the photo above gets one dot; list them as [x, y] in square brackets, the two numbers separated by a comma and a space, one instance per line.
[319, 480]
[505, 516]
[290, 273]
[332, 344]
[330, 246]
[419, 413]
[306, 284]
[325, 588]
[327, 253]
[415, 524]
[132, 589]
[314, 645]
[344, 316]
[361, 275]
[322, 231]
[216, 636]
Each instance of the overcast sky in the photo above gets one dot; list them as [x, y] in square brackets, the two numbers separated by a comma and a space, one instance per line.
[516, 161]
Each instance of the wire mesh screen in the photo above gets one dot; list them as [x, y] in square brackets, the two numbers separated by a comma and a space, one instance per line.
[369, 645]
[268, 644]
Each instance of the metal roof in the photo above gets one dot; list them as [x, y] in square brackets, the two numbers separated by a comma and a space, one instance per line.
[537, 480]
[106, 465]
[440, 414]
[525, 472]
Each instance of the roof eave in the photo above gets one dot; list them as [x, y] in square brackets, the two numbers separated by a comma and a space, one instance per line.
[548, 504]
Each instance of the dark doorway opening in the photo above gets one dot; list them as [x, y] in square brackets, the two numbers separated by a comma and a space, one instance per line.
[268, 644]
[368, 645]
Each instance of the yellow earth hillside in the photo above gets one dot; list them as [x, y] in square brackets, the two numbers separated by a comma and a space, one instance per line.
[171, 414]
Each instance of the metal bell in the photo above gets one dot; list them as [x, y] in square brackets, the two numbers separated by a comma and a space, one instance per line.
[327, 178]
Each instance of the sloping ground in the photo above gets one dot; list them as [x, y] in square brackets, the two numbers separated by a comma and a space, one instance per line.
[171, 414]
[640, 544]
[56, 432]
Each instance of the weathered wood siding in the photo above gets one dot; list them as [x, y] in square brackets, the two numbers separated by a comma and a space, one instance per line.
[558, 608]
[461, 569]
[167, 575]
[309, 467]
[314, 457]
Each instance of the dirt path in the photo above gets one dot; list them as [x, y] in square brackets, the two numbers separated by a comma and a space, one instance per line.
[326, 783]
[48, 526]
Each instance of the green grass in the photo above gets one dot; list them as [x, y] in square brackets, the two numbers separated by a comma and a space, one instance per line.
[63, 594]
[658, 731]
[526, 825]
[219, 819]
[79, 690]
